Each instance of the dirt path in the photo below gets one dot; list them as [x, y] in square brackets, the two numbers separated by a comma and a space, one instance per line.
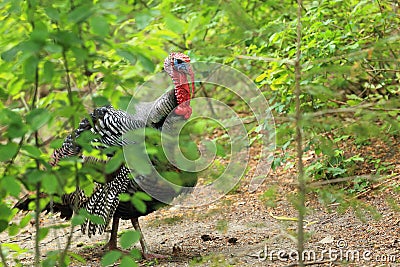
[236, 229]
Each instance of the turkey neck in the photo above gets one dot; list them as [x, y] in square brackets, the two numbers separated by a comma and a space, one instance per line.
[182, 94]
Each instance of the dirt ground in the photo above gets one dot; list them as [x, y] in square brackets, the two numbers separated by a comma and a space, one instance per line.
[240, 230]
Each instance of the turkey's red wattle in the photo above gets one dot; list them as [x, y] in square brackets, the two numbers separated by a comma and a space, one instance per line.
[183, 94]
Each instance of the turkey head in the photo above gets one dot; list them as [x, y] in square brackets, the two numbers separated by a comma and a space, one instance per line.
[177, 65]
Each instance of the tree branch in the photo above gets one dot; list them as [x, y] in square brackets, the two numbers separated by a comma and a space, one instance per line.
[268, 59]
[3, 258]
[346, 179]
[338, 110]
[69, 88]
[299, 140]
[177, 45]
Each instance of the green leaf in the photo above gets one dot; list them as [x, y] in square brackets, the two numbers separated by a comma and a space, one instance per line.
[80, 13]
[115, 162]
[84, 140]
[56, 143]
[77, 220]
[32, 151]
[14, 88]
[14, 247]
[34, 176]
[221, 151]
[135, 254]
[138, 204]
[199, 126]
[51, 260]
[146, 62]
[110, 257]
[128, 262]
[30, 67]
[80, 54]
[99, 25]
[190, 151]
[84, 213]
[3, 225]
[143, 196]
[16, 130]
[40, 32]
[66, 39]
[8, 151]
[25, 220]
[174, 24]
[77, 257]
[124, 197]
[127, 55]
[100, 101]
[123, 102]
[96, 219]
[10, 54]
[8, 116]
[129, 238]
[43, 202]
[52, 13]
[13, 229]
[238, 16]
[5, 211]
[37, 118]
[172, 177]
[31, 48]
[48, 72]
[13, 187]
[52, 49]
[49, 183]
[43, 233]
[143, 19]
[261, 77]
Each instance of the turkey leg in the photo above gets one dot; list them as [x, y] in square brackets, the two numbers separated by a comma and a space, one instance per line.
[145, 253]
[112, 243]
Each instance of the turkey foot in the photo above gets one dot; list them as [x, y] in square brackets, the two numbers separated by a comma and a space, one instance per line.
[113, 246]
[145, 254]
[112, 243]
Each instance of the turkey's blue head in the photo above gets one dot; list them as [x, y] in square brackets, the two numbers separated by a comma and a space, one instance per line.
[178, 67]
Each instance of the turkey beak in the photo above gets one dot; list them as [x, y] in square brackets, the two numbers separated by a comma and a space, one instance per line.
[183, 67]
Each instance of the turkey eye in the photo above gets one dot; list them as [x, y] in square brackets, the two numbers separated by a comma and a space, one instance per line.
[178, 61]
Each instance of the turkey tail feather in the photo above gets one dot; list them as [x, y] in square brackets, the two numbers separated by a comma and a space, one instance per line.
[69, 147]
[104, 201]
[23, 203]
[65, 208]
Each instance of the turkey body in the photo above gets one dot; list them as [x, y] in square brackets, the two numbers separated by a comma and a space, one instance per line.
[110, 125]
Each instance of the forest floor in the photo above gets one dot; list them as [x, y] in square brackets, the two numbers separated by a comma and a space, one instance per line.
[234, 230]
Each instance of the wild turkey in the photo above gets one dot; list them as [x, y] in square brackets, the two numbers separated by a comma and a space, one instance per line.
[111, 125]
